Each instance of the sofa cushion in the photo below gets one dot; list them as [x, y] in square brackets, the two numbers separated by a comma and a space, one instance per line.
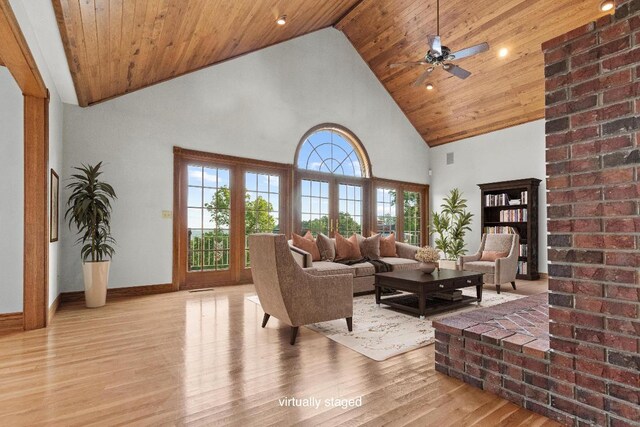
[328, 268]
[364, 269]
[327, 247]
[480, 266]
[388, 245]
[369, 246]
[347, 249]
[400, 264]
[492, 255]
[306, 243]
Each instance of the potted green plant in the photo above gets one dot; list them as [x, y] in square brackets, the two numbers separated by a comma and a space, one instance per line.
[450, 227]
[89, 209]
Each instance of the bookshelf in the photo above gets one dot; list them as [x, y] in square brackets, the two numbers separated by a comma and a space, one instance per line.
[512, 207]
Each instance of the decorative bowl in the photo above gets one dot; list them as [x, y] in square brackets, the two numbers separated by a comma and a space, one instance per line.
[427, 267]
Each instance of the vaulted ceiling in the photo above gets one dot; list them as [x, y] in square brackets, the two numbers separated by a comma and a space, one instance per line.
[117, 46]
[501, 92]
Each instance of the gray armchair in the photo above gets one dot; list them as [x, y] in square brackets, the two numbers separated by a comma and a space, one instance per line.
[502, 270]
[292, 295]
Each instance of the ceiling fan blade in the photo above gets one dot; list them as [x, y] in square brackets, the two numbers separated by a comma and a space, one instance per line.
[470, 51]
[423, 77]
[435, 44]
[457, 71]
[407, 64]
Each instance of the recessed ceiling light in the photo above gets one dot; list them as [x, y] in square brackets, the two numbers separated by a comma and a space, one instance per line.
[429, 86]
[607, 5]
[282, 20]
[503, 52]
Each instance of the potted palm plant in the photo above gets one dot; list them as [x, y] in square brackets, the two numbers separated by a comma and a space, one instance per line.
[89, 209]
[450, 227]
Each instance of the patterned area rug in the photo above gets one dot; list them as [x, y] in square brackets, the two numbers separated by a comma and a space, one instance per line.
[381, 333]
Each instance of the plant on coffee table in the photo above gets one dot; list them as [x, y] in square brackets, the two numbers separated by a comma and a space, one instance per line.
[428, 257]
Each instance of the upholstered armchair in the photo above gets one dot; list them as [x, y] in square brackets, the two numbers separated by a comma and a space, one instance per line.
[503, 269]
[290, 294]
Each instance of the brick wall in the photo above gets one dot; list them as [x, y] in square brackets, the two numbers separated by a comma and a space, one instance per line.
[593, 160]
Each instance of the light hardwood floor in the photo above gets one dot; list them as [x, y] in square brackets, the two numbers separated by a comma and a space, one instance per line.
[203, 359]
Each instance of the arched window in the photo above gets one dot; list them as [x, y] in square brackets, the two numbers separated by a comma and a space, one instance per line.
[333, 149]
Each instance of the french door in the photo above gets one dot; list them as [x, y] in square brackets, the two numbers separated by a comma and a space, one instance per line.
[328, 204]
[219, 202]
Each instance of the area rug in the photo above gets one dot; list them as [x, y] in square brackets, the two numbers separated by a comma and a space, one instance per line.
[381, 333]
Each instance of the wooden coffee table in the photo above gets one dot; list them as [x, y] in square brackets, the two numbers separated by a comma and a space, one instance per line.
[421, 286]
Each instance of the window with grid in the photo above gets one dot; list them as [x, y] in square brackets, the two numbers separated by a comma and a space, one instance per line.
[350, 209]
[208, 218]
[314, 206]
[262, 204]
[412, 218]
[385, 211]
[330, 151]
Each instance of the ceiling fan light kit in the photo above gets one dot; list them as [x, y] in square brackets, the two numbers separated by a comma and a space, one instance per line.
[440, 56]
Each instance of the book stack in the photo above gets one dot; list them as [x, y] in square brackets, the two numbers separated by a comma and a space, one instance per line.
[448, 296]
[513, 215]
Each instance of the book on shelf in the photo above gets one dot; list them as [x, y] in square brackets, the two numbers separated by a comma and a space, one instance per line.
[496, 199]
[523, 249]
[522, 267]
[524, 199]
[513, 215]
[499, 230]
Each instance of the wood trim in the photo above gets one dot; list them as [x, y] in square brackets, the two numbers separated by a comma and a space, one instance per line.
[17, 56]
[203, 156]
[53, 309]
[131, 291]
[36, 220]
[11, 322]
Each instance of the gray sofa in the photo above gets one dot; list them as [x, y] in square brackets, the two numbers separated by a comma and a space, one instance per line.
[363, 274]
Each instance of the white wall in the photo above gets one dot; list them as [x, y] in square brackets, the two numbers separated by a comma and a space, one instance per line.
[11, 193]
[512, 153]
[256, 106]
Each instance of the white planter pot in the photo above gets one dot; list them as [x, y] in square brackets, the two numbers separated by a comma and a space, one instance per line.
[96, 278]
[448, 264]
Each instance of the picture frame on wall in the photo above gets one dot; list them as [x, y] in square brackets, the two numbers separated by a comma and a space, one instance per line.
[54, 206]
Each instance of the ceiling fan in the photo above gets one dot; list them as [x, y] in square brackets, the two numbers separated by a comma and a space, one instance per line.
[439, 56]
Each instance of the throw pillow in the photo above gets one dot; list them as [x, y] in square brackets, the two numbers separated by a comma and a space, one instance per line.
[307, 244]
[347, 249]
[326, 247]
[492, 255]
[388, 245]
[369, 246]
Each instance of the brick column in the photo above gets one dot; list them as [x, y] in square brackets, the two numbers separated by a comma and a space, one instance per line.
[593, 116]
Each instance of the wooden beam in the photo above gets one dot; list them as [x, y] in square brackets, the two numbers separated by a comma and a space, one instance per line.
[16, 55]
[36, 221]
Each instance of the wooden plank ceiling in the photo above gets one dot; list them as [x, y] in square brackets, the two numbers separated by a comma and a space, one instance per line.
[117, 46]
[502, 92]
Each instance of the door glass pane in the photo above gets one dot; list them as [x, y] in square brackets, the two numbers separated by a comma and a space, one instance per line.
[350, 209]
[208, 218]
[315, 206]
[262, 195]
[385, 211]
[412, 215]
